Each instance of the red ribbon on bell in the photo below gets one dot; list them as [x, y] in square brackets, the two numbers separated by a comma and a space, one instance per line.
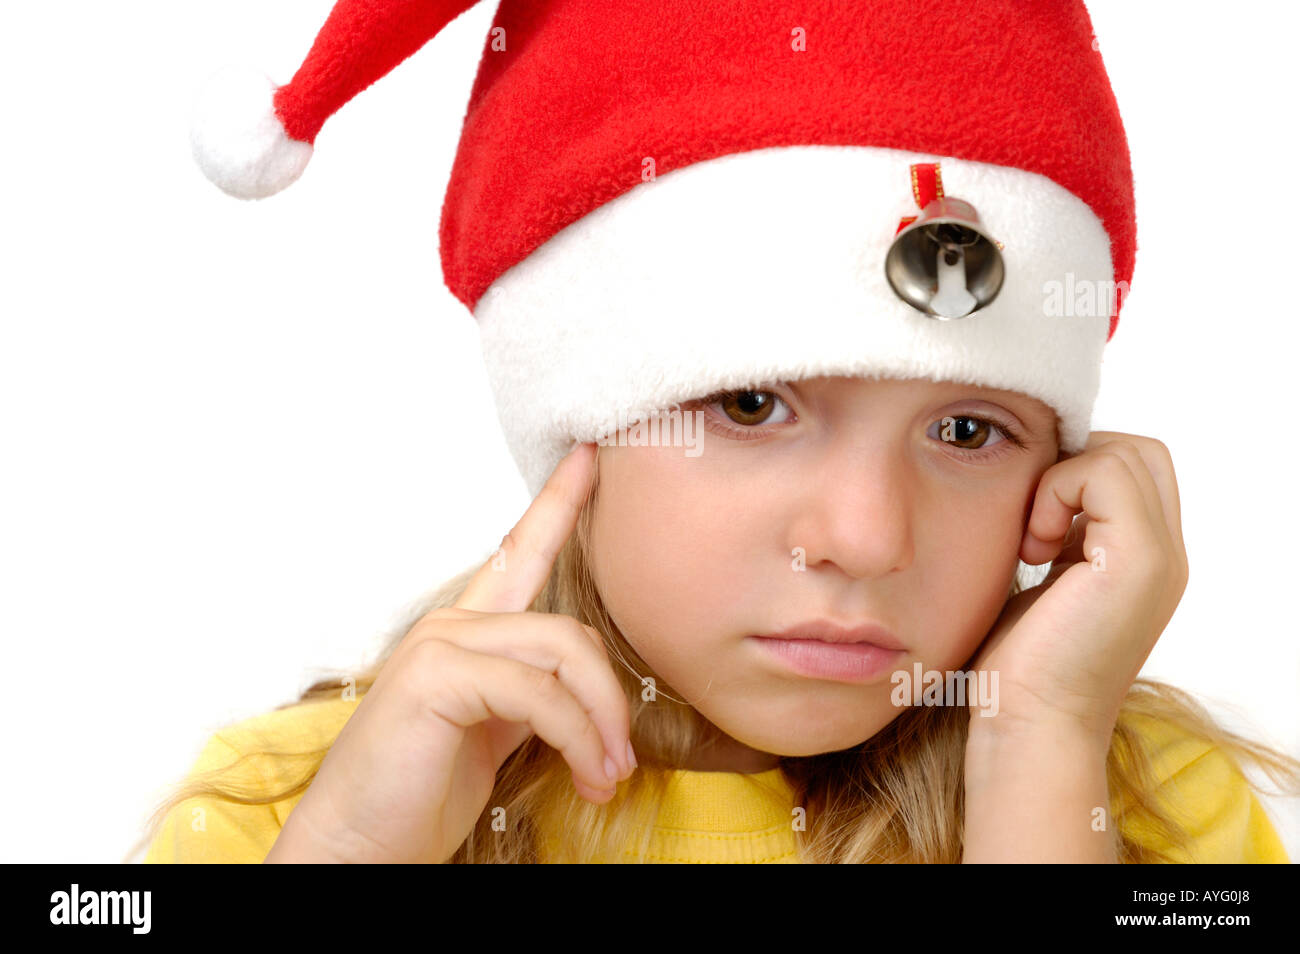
[942, 262]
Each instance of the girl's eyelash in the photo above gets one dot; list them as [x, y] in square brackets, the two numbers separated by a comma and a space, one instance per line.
[1008, 430]
[739, 431]
[1013, 437]
[717, 396]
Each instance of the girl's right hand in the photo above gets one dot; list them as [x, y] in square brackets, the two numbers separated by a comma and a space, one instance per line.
[414, 766]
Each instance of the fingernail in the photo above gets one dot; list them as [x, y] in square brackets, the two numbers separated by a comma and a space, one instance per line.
[611, 770]
[631, 756]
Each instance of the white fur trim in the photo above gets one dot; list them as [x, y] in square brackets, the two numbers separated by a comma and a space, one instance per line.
[238, 141]
[769, 265]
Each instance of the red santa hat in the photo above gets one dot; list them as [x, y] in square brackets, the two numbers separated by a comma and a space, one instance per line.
[651, 202]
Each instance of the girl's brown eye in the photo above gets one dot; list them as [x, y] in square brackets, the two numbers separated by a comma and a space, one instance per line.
[748, 407]
[969, 433]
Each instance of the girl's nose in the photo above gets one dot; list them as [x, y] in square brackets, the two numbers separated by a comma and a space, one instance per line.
[853, 508]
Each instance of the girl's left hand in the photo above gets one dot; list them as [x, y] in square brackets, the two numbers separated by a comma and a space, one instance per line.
[1067, 650]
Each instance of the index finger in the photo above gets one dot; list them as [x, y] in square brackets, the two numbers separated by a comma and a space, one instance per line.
[517, 571]
[1102, 486]
[1161, 465]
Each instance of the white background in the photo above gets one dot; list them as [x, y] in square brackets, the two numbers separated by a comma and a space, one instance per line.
[238, 437]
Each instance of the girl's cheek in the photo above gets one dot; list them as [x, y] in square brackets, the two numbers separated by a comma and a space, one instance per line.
[966, 590]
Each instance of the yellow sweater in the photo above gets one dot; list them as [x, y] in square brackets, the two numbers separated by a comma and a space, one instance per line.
[705, 818]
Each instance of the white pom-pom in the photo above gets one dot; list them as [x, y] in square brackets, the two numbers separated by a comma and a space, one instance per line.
[238, 141]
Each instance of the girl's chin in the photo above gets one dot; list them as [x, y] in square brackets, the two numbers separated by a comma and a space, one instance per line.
[786, 741]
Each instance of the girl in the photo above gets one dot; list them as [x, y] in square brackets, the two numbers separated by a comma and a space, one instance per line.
[723, 651]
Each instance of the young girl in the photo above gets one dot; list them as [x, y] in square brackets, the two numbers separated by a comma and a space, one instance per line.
[817, 414]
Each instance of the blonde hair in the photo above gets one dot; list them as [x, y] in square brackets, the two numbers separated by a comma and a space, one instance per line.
[897, 797]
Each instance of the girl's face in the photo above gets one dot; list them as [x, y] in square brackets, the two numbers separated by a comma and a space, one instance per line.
[846, 500]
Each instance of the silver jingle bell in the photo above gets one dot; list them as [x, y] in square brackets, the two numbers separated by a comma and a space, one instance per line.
[944, 264]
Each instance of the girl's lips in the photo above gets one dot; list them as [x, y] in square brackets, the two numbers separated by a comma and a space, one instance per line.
[843, 662]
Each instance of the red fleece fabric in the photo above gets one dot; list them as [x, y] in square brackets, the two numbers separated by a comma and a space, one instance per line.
[560, 121]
